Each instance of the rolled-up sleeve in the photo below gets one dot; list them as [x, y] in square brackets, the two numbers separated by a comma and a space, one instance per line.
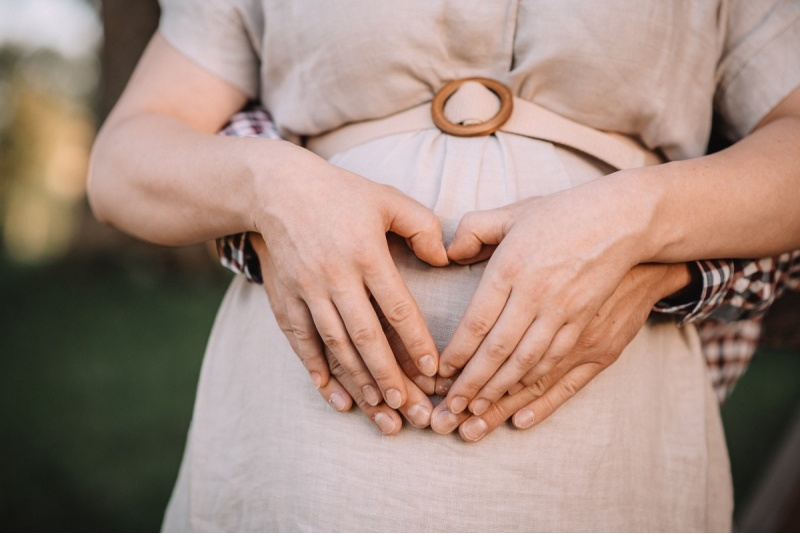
[760, 61]
[219, 35]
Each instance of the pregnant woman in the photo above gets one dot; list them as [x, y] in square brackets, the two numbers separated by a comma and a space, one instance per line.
[545, 165]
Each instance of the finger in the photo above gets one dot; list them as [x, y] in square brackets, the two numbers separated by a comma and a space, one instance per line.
[419, 225]
[484, 254]
[366, 334]
[491, 355]
[563, 342]
[386, 420]
[443, 385]
[335, 337]
[443, 421]
[532, 357]
[400, 309]
[556, 395]
[295, 321]
[477, 427]
[305, 341]
[426, 383]
[476, 229]
[418, 409]
[482, 312]
[336, 395]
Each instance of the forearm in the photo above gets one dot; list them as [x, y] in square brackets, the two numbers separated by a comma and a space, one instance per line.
[741, 202]
[163, 181]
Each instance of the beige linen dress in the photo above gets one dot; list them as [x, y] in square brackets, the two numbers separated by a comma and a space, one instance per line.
[641, 447]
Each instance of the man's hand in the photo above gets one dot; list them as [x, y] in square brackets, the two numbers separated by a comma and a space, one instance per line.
[341, 389]
[615, 325]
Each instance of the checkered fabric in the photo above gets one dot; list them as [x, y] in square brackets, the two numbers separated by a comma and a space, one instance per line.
[727, 313]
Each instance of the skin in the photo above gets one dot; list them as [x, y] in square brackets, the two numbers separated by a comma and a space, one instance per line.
[516, 327]
[160, 173]
[617, 322]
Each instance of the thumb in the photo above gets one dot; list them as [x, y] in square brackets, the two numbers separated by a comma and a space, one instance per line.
[420, 226]
[477, 235]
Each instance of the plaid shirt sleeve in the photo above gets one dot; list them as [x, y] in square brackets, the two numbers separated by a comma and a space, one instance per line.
[728, 313]
[235, 251]
[735, 290]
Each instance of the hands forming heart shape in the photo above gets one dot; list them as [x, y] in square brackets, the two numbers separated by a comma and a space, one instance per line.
[561, 296]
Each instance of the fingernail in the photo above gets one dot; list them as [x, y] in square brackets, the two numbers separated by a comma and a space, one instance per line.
[385, 423]
[458, 404]
[371, 395]
[316, 379]
[393, 398]
[444, 421]
[516, 388]
[420, 415]
[427, 365]
[523, 418]
[473, 429]
[337, 401]
[443, 386]
[479, 406]
[446, 369]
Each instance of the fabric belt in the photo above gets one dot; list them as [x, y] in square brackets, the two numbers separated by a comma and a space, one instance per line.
[469, 103]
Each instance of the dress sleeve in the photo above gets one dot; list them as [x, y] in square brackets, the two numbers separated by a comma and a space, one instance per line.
[759, 61]
[219, 35]
[235, 251]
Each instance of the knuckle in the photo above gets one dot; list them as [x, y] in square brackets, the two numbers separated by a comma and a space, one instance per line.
[548, 404]
[589, 341]
[495, 414]
[400, 312]
[528, 359]
[538, 389]
[497, 351]
[335, 342]
[569, 388]
[302, 333]
[552, 357]
[364, 336]
[382, 375]
[478, 325]
[509, 270]
[336, 368]
[434, 224]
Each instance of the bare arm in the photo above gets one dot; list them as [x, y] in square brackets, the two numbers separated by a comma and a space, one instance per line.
[741, 202]
[157, 172]
[160, 173]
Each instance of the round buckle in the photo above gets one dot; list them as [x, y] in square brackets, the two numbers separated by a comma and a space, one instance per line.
[472, 130]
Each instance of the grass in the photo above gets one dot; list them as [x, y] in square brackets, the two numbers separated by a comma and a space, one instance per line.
[98, 367]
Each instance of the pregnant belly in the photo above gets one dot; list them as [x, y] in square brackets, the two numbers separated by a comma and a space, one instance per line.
[442, 293]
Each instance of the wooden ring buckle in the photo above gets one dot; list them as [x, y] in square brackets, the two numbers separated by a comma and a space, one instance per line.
[472, 130]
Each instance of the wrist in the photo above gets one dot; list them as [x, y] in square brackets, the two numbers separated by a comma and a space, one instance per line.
[271, 169]
[681, 284]
[631, 201]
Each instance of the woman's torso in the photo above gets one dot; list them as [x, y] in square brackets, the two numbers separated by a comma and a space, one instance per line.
[639, 449]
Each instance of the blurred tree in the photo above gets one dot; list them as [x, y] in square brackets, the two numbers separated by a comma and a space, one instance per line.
[128, 26]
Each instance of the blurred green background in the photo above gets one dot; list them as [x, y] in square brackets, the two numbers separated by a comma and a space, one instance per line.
[101, 337]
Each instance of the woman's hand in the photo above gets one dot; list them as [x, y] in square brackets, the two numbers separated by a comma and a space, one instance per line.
[325, 229]
[557, 260]
[341, 390]
[612, 329]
